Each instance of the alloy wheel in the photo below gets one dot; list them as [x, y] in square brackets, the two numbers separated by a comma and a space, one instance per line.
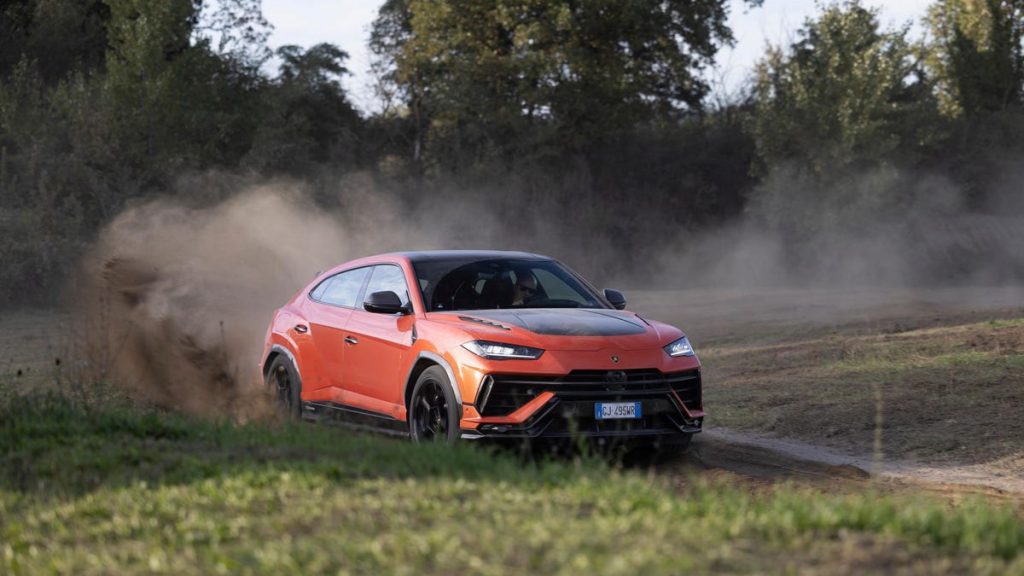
[430, 413]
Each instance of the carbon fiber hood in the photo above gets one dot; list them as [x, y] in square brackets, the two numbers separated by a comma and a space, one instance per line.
[567, 321]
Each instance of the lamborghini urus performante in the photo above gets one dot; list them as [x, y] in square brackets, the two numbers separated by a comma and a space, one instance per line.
[445, 345]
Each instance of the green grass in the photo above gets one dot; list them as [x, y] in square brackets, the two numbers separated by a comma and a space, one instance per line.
[121, 491]
[1007, 323]
[983, 365]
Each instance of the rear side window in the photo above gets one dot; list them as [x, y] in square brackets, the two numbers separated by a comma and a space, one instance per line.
[388, 277]
[341, 289]
[318, 292]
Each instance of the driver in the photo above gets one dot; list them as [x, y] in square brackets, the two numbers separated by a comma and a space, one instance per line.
[524, 288]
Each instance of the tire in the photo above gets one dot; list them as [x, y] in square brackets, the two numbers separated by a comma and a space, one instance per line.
[433, 412]
[283, 383]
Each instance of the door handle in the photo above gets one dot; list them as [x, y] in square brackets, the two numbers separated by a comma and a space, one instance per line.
[351, 340]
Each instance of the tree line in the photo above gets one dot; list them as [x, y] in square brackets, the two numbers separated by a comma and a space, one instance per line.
[603, 108]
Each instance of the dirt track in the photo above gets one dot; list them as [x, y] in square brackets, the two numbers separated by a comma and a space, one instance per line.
[771, 321]
[769, 460]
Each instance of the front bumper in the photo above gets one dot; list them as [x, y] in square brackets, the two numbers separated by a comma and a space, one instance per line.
[539, 407]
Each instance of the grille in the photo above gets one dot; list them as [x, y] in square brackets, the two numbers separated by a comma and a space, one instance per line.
[585, 423]
[509, 392]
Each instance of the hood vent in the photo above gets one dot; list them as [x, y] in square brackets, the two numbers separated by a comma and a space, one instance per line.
[485, 322]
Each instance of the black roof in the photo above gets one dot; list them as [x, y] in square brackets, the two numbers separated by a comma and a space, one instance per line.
[429, 255]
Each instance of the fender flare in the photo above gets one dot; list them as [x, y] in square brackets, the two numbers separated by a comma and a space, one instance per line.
[437, 359]
[285, 351]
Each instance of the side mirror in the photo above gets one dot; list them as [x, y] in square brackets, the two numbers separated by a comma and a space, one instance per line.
[385, 302]
[615, 298]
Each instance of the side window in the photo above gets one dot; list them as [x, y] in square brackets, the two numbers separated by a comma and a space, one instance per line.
[341, 289]
[388, 277]
[318, 292]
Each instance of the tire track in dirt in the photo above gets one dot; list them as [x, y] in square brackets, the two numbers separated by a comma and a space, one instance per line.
[769, 460]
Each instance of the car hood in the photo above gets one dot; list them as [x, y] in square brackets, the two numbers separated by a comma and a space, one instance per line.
[562, 328]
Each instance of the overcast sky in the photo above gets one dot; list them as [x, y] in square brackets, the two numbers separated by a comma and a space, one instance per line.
[346, 23]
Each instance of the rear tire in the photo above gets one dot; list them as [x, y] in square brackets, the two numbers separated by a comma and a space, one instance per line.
[433, 412]
[284, 384]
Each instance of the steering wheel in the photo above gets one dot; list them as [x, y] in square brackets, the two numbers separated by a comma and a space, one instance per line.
[460, 291]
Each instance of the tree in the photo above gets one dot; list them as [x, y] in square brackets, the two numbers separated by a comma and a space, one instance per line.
[179, 102]
[977, 54]
[506, 77]
[238, 30]
[845, 92]
[402, 119]
[310, 119]
[59, 36]
[977, 58]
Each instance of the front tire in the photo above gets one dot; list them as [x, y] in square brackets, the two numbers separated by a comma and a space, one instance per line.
[433, 410]
[284, 384]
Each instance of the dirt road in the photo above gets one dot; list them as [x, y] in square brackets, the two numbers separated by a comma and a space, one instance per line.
[797, 369]
[768, 460]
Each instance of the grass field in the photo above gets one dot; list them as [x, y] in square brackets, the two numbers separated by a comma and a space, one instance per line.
[939, 372]
[117, 490]
[948, 394]
[90, 483]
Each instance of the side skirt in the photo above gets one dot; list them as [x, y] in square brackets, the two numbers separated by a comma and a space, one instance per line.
[354, 418]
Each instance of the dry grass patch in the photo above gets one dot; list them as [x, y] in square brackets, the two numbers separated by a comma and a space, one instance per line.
[943, 393]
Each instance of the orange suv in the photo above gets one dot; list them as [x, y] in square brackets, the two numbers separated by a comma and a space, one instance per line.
[448, 345]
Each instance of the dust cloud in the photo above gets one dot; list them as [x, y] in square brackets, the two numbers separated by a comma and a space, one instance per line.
[178, 297]
[885, 228]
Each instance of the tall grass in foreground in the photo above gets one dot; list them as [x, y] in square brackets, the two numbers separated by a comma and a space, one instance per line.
[123, 490]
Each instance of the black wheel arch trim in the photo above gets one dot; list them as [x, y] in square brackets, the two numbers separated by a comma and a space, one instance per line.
[277, 348]
[440, 361]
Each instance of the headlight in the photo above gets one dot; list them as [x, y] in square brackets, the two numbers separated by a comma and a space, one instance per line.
[680, 347]
[499, 351]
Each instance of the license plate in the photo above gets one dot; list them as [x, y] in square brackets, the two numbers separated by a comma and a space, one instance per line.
[614, 410]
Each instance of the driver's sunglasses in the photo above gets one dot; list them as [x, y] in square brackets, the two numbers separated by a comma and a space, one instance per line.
[526, 289]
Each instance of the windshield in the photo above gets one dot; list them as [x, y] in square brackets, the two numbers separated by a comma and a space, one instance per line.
[460, 284]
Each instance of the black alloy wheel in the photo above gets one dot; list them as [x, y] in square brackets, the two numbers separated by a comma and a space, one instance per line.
[433, 411]
[283, 382]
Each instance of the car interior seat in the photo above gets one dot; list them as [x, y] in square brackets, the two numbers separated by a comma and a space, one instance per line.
[496, 292]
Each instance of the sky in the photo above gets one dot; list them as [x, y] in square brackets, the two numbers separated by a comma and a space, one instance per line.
[346, 23]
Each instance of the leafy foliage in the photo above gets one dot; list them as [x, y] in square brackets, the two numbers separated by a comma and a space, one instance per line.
[58, 35]
[104, 102]
[498, 79]
[308, 120]
[977, 59]
[845, 92]
[594, 110]
[978, 54]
